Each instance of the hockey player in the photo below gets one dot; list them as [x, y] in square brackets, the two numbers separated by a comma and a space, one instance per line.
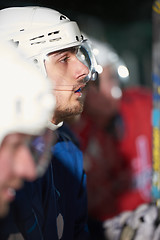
[22, 119]
[56, 207]
[116, 141]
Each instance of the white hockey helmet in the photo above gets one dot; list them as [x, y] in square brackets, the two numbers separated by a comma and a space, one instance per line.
[106, 55]
[39, 31]
[26, 101]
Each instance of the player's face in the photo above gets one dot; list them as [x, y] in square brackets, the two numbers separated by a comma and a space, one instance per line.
[108, 80]
[67, 73]
[16, 164]
[109, 88]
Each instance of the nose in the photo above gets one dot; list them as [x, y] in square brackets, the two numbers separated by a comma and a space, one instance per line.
[81, 69]
[25, 167]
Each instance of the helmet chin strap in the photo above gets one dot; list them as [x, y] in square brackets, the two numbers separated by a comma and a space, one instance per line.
[68, 90]
[72, 88]
[63, 90]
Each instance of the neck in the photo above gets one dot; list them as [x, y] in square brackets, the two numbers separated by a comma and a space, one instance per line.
[56, 120]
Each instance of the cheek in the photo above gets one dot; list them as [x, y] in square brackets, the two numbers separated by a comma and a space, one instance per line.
[59, 81]
[5, 166]
[62, 98]
[60, 75]
[51, 71]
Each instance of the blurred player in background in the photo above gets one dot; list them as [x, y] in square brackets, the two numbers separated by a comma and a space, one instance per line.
[115, 136]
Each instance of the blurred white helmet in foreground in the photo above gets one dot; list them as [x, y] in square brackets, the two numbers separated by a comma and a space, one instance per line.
[26, 102]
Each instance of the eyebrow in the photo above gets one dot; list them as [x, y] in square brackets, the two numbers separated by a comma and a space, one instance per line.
[59, 52]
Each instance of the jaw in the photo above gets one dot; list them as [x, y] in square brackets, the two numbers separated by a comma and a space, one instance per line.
[67, 112]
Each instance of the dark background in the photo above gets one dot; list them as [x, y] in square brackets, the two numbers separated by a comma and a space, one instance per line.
[123, 11]
[125, 24]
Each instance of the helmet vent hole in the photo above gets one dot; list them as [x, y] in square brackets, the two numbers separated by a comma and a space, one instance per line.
[33, 42]
[21, 30]
[36, 37]
[16, 43]
[62, 17]
[52, 33]
[77, 38]
[35, 61]
[55, 39]
[18, 106]
[38, 42]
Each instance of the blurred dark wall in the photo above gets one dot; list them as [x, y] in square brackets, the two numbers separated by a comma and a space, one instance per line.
[125, 24]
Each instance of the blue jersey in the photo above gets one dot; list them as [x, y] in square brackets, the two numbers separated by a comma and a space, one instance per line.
[54, 206]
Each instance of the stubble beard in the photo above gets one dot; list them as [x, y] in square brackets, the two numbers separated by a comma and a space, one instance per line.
[69, 112]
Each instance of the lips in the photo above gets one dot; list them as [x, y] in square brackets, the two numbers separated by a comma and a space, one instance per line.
[79, 88]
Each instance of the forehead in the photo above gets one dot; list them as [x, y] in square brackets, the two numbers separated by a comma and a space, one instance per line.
[67, 50]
